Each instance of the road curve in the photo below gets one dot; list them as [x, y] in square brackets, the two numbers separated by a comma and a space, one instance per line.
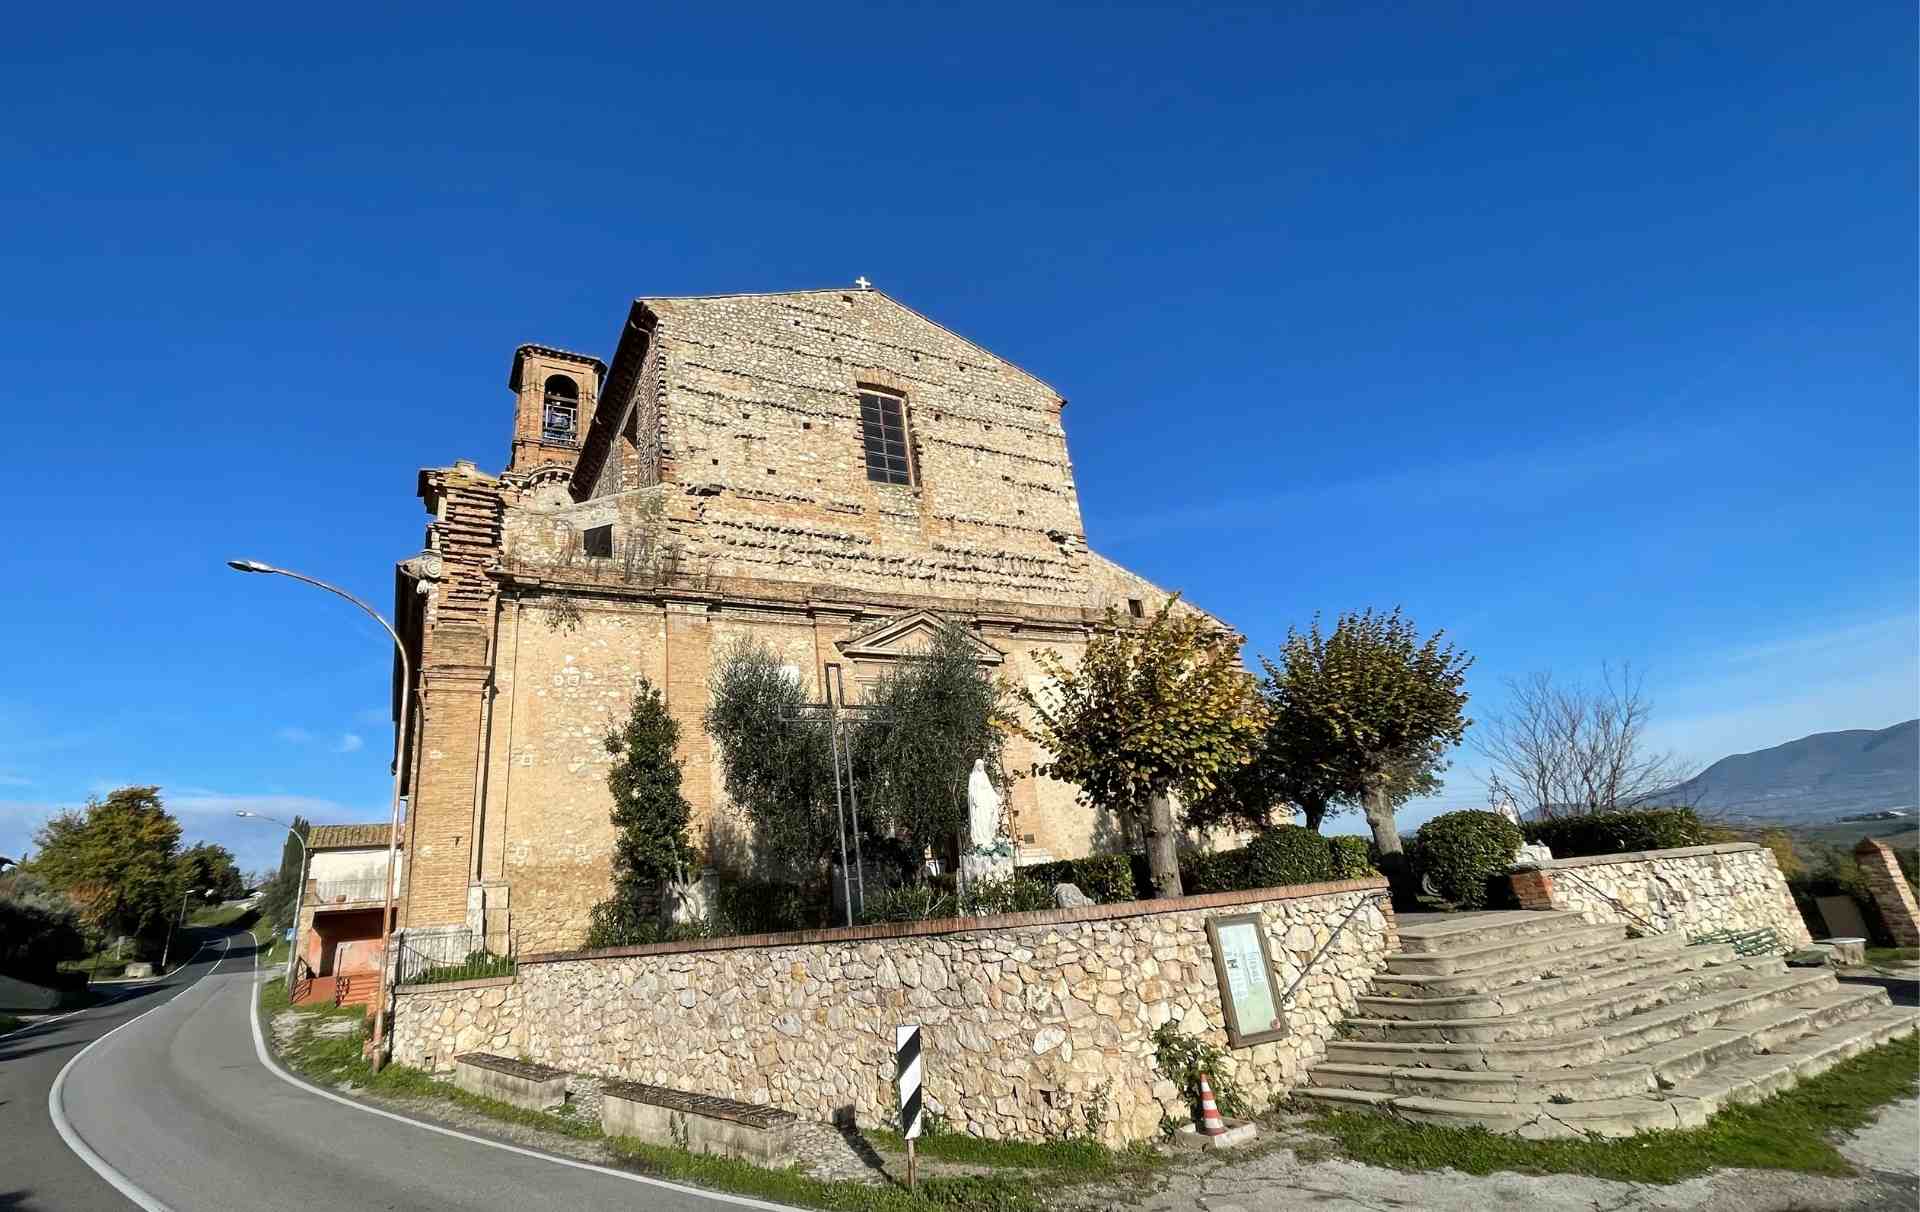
[181, 1106]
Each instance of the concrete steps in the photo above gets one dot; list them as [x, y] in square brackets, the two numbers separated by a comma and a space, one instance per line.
[1538, 1030]
[1548, 992]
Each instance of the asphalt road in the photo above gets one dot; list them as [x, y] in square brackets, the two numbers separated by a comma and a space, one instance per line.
[180, 1107]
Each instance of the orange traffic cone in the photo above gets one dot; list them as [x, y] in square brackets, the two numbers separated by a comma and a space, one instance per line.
[1210, 1122]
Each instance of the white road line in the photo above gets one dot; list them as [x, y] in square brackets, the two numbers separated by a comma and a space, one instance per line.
[273, 1066]
[65, 1128]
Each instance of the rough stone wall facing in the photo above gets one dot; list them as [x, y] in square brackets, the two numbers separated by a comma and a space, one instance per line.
[1690, 890]
[1031, 1020]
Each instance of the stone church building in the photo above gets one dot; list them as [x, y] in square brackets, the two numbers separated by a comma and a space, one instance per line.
[826, 471]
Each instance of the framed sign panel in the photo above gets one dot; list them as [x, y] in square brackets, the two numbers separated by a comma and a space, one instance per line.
[1245, 971]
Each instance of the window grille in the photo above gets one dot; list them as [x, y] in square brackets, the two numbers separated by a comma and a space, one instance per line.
[883, 432]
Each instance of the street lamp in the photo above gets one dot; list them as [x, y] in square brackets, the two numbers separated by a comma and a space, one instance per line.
[300, 893]
[399, 752]
[168, 949]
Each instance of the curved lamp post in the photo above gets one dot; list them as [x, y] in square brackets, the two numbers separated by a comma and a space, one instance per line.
[399, 752]
[168, 949]
[299, 893]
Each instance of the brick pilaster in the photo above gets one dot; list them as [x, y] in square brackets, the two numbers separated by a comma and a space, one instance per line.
[1890, 891]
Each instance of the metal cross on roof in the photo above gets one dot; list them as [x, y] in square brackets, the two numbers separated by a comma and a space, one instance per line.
[862, 282]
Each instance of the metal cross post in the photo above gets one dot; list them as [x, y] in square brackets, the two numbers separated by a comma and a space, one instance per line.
[846, 803]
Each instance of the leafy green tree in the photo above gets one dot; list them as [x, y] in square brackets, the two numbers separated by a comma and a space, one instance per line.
[932, 717]
[1367, 714]
[210, 867]
[1149, 713]
[277, 896]
[115, 860]
[650, 815]
[778, 769]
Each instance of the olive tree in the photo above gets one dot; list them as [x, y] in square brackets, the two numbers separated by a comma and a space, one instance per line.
[1149, 713]
[935, 713]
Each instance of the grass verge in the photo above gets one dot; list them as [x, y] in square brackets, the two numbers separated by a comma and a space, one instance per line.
[1083, 1157]
[10, 1023]
[1893, 955]
[322, 1053]
[238, 916]
[1793, 1130]
[973, 1193]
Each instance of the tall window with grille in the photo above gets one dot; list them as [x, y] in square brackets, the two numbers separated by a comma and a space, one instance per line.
[560, 416]
[883, 431]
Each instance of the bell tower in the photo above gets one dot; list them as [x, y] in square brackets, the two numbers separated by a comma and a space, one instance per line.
[555, 393]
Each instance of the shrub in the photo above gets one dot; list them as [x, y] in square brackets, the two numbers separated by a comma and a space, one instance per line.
[1352, 857]
[1220, 871]
[1107, 878]
[34, 939]
[1619, 832]
[1182, 1058]
[911, 903]
[1288, 854]
[1014, 894]
[1460, 853]
[763, 907]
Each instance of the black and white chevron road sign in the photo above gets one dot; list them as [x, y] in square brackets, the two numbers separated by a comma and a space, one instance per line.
[906, 1060]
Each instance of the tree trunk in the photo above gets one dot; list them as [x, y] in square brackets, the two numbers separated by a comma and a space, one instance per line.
[1386, 839]
[1163, 849]
[1316, 812]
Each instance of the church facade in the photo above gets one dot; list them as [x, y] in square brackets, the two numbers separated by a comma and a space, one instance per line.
[826, 472]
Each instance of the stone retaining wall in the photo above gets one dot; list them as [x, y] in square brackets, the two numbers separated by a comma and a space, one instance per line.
[1690, 890]
[1033, 1021]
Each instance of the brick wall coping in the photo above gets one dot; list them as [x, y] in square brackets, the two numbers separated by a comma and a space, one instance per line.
[1642, 856]
[963, 925]
[479, 982]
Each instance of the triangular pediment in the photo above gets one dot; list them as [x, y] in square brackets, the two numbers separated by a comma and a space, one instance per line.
[908, 634]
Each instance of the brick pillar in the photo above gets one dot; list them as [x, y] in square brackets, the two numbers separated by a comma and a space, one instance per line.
[1890, 891]
[1534, 888]
[441, 811]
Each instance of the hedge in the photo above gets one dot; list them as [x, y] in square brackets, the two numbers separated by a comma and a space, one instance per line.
[1107, 878]
[1352, 857]
[1619, 832]
[1460, 855]
[1279, 857]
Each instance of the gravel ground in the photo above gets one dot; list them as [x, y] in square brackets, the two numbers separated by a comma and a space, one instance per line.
[1888, 1153]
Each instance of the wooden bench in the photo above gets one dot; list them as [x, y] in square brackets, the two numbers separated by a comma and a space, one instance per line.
[699, 1122]
[522, 1083]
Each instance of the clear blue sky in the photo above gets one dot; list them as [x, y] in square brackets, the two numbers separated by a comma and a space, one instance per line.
[1584, 332]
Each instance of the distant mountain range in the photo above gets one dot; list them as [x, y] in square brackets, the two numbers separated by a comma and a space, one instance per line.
[1816, 778]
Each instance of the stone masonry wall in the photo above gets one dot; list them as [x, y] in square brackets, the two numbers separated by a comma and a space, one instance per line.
[1690, 890]
[1030, 1019]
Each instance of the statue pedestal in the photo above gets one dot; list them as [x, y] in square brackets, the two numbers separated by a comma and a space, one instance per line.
[984, 867]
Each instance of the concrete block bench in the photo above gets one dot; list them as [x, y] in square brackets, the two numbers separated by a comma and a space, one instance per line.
[702, 1123]
[522, 1083]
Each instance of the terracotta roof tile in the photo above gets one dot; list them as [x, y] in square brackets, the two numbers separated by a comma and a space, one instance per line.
[346, 837]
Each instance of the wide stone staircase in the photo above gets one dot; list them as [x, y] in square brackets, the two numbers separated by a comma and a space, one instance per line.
[1540, 1025]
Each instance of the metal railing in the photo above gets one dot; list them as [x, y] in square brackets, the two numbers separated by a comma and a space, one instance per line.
[452, 956]
[302, 978]
[1362, 903]
[1608, 897]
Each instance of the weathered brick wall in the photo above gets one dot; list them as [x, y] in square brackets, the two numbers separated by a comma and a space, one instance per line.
[759, 399]
[737, 493]
[1029, 1019]
[1689, 890]
[1891, 893]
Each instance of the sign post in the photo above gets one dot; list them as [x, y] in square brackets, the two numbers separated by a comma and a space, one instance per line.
[906, 1077]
